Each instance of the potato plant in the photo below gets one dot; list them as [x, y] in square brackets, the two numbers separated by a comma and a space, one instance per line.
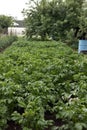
[5, 41]
[43, 85]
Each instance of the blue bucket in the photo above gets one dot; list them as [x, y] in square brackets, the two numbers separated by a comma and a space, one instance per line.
[82, 46]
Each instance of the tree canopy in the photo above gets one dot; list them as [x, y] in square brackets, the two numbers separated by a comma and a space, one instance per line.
[5, 22]
[55, 18]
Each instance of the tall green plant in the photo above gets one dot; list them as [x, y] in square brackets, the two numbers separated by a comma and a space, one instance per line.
[54, 18]
[5, 22]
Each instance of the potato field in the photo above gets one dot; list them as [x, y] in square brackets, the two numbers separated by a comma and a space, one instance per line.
[43, 86]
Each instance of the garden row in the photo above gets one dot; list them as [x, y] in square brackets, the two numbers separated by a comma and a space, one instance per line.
[43, 86]
[5, 41]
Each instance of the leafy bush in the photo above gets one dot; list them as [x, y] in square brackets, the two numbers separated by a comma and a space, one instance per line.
[43, 84]
[53, 18]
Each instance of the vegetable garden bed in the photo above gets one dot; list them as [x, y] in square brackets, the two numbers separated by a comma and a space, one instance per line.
[43, 86]
[6, 41]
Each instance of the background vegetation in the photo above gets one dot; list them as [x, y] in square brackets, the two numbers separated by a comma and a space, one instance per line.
[6, 41]
[57, 19]
[5, 22]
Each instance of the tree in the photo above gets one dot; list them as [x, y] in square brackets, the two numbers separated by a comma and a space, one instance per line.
[5, 22]
[55, 18]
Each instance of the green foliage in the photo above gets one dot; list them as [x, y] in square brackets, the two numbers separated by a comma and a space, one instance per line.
[45, 19]
[5, 22]
[5, 41]
[55, 19]
[40, 79]
[82, 33]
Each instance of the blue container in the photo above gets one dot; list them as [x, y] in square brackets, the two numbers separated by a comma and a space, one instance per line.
[82, 46]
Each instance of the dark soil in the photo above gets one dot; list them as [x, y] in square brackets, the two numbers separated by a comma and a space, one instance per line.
[13, 126]
[1, 49]
[51, 116]
[48, 116]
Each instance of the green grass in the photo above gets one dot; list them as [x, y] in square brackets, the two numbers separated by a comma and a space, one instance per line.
[39, 80]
